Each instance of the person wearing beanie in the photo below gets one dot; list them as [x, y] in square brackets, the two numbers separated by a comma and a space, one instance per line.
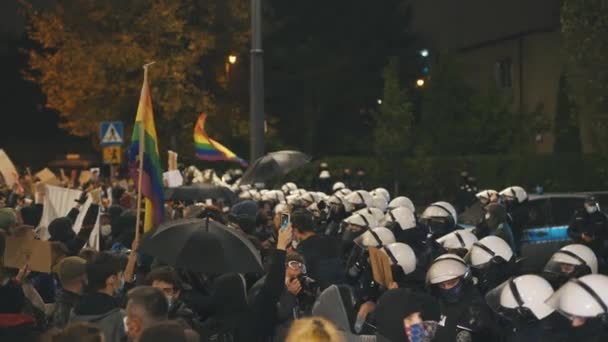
[72, 275]
[243, 215]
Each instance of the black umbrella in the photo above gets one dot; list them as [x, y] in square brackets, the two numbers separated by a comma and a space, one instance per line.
[199, 192]
[202, 245]
[273, 165]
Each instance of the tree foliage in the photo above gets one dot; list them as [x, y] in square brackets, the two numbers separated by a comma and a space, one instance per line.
[585, 41]
[90, 55]
[567, 131]
[457, 119]
[393, 131]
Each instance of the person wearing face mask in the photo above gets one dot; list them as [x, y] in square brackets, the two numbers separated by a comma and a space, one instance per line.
[166, 280]
[322, 253]
[571, 261]
[589, 227]
[495, 223]
[584, 303]
[464, 313]
[101, 305]
[520, 305]
[72, 275]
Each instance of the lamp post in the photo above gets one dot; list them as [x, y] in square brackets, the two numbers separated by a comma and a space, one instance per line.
[256, 93]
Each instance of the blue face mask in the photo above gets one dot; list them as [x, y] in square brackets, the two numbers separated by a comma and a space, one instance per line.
[452, 295]
[421, 332]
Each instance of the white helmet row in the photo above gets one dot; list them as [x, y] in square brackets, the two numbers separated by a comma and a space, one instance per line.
[581, 258]
[525, 295]
[376, 237]
[402, 201]
[583, 297]
[362, 220]
[402, 216]
[288, 187]
[377, 214]
[357, 200]
[382, 192]
[379, 202]
[516, 192]
[281, 208]
[276, 196]
[401, 254]
[440, 209]
[337, 186]
[489, 249]
[459, 239]
[446, 267]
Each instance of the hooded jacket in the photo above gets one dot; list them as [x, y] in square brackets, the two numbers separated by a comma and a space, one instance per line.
[103, 310]
[65, 302]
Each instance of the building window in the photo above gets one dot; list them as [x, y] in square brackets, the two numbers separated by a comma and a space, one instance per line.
[504, 72]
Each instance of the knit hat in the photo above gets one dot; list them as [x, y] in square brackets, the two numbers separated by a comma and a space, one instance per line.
[71, 268]
[8, 217]
[244, 214]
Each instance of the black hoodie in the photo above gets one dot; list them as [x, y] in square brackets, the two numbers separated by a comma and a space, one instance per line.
[103, 310]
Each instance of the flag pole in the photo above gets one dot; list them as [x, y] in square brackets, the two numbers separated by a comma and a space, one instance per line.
[142, 137]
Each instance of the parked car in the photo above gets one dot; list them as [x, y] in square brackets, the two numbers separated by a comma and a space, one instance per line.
[546, 228]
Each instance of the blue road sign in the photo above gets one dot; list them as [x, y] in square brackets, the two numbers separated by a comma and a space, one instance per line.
[111, 133]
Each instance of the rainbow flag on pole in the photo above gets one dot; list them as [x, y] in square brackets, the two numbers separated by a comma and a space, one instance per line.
[152, 180]
[209, 149]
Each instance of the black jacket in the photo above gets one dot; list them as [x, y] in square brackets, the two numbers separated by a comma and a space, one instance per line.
[323, 259]
[594, 225]
[104, 311]
[469, 319]
[233, 315]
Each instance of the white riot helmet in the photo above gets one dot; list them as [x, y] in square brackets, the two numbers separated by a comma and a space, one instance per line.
[335, 200]
[402, 201]
[377, 214]
[324, 175]
[459, 241]
[522, 298]
[357, 200]
[337, 186]
[251, 194]
[379, 202]
[382, 192]
[275, 196]
[309, 198]
[585, 297]
[486, 196]
[343, 192]
[516, 193]
[298, 192]
[401, 216]
[487, 250]
[376, 237]
[572, 261]
[288, 187]
[440, 209]
[446, 267]
[401, 254]
[361, 220]
[281, 208]
[440, 218]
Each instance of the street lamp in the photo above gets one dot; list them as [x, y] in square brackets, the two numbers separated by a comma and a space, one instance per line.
[379, 101]
[420, 82]
[232, 59]
[424, 53]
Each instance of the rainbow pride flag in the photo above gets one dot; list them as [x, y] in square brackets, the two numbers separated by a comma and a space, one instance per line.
[209, 149]
[152, 180]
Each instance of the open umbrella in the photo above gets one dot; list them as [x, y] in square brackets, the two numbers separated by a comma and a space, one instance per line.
[202, 245]
[199, 192]
[273, 165]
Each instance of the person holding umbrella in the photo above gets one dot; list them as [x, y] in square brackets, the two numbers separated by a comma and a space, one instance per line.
[237, 320]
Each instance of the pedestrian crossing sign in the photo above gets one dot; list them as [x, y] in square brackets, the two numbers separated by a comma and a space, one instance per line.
[111, 133]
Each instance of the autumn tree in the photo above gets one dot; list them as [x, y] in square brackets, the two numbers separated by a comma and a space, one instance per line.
[89, 57]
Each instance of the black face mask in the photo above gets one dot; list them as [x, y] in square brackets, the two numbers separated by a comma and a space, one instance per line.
[454, 294]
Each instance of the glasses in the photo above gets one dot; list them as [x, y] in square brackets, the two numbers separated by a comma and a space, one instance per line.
[296, 265]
